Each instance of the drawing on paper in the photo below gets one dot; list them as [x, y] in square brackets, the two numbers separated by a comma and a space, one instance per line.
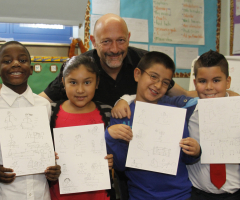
[26, 141]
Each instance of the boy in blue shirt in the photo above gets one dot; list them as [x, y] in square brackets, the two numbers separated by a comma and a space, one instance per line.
[153, 74]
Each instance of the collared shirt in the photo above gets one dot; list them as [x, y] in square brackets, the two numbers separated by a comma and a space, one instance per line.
[29, 187]
[199, 174]
[109, 90]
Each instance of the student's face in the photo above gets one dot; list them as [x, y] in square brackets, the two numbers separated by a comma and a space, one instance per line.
[80, 86]
[211, 82]
[148, 90]
[15, 67]
[111, 42]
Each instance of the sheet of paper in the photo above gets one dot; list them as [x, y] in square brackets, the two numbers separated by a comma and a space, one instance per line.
[157, 131]
[185, 56]
[167, 50]
[103, 7]
[237, 7]
[26, 140]
[93, 19]
[219, 127]
[236, 39]
[178, 22]
[81, 151]
[140, 46]
[138, 29]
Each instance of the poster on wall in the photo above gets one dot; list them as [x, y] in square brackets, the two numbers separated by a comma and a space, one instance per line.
[178, 22]
[237, 7]
[102, 7]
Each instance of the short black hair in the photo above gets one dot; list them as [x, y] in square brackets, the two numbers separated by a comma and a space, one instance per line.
[212, 59]
[76, 61]
[18, 43]
[155, 57]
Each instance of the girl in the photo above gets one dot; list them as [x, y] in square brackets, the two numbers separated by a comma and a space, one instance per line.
[80, 80]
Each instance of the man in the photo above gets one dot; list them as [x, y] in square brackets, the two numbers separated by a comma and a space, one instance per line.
[116, 61]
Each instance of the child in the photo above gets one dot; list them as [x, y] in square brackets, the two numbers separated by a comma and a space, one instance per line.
[15, 68]
[80, 79]
[153, 74]
[211, 80]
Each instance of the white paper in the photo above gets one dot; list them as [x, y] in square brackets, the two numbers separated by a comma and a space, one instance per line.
[219, 127]
[237, 7]
[26, 140]
[167, 50]
[157, 131]
[236, 39]
[140, 46]
[103, 7]
[178, 22]
[185, 56]
[138, 29]
[81, 151]
[93, 19]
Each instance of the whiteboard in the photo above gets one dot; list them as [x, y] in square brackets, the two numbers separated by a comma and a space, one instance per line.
[234, 72]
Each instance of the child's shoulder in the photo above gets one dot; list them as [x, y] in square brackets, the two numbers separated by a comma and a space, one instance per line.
[40, 101]
[178, 101]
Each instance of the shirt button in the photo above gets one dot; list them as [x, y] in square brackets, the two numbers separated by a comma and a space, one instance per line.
[115, 85]
[30, 194]
[185, 100]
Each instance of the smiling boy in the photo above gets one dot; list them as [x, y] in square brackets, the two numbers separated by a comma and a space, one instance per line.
[15, 68]
[211, 80]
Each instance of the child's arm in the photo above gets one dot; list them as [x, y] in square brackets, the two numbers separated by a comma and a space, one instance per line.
[121, 108]
[117, 147]
[190, 147]
[6, 177]
[110, 161]
[120, 131]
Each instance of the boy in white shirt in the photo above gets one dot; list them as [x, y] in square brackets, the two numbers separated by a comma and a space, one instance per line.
[15, 68]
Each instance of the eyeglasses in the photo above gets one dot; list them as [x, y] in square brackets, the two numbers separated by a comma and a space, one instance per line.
[156, 79]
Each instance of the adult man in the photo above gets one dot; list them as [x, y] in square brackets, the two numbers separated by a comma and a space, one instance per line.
[116, 61]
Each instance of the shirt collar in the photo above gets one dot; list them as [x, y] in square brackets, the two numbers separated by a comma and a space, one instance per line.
[10, 96]
[196, 109]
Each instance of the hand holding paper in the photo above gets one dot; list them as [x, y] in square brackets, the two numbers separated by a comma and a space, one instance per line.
[121, 131]
[110, 161]
[52, 173]
[190, 146]
[6, 177]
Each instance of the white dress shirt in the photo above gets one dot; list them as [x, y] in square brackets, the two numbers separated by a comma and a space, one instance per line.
[199, 174]
[29, 187]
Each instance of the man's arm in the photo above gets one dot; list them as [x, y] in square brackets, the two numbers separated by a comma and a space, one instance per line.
[177, 90]
[43, 94]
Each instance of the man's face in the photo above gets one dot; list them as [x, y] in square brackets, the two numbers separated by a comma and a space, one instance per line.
[111, 43]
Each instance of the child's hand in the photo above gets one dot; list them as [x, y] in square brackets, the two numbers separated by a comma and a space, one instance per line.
[121, 131]
[52, 173]
[6, 177]
[110, 160]
[56, 155]
[190, 146]
[121, 110]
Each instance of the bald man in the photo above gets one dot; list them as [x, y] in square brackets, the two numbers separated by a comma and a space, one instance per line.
[116, 62]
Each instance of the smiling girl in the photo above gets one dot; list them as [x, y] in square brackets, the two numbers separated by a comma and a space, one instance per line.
[80, 80]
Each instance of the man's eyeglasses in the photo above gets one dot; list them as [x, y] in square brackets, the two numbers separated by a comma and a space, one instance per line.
[156, 79]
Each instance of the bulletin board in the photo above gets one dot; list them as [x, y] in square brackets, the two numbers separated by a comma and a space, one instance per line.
[234, 19]
[36, 82]
[143, 9]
